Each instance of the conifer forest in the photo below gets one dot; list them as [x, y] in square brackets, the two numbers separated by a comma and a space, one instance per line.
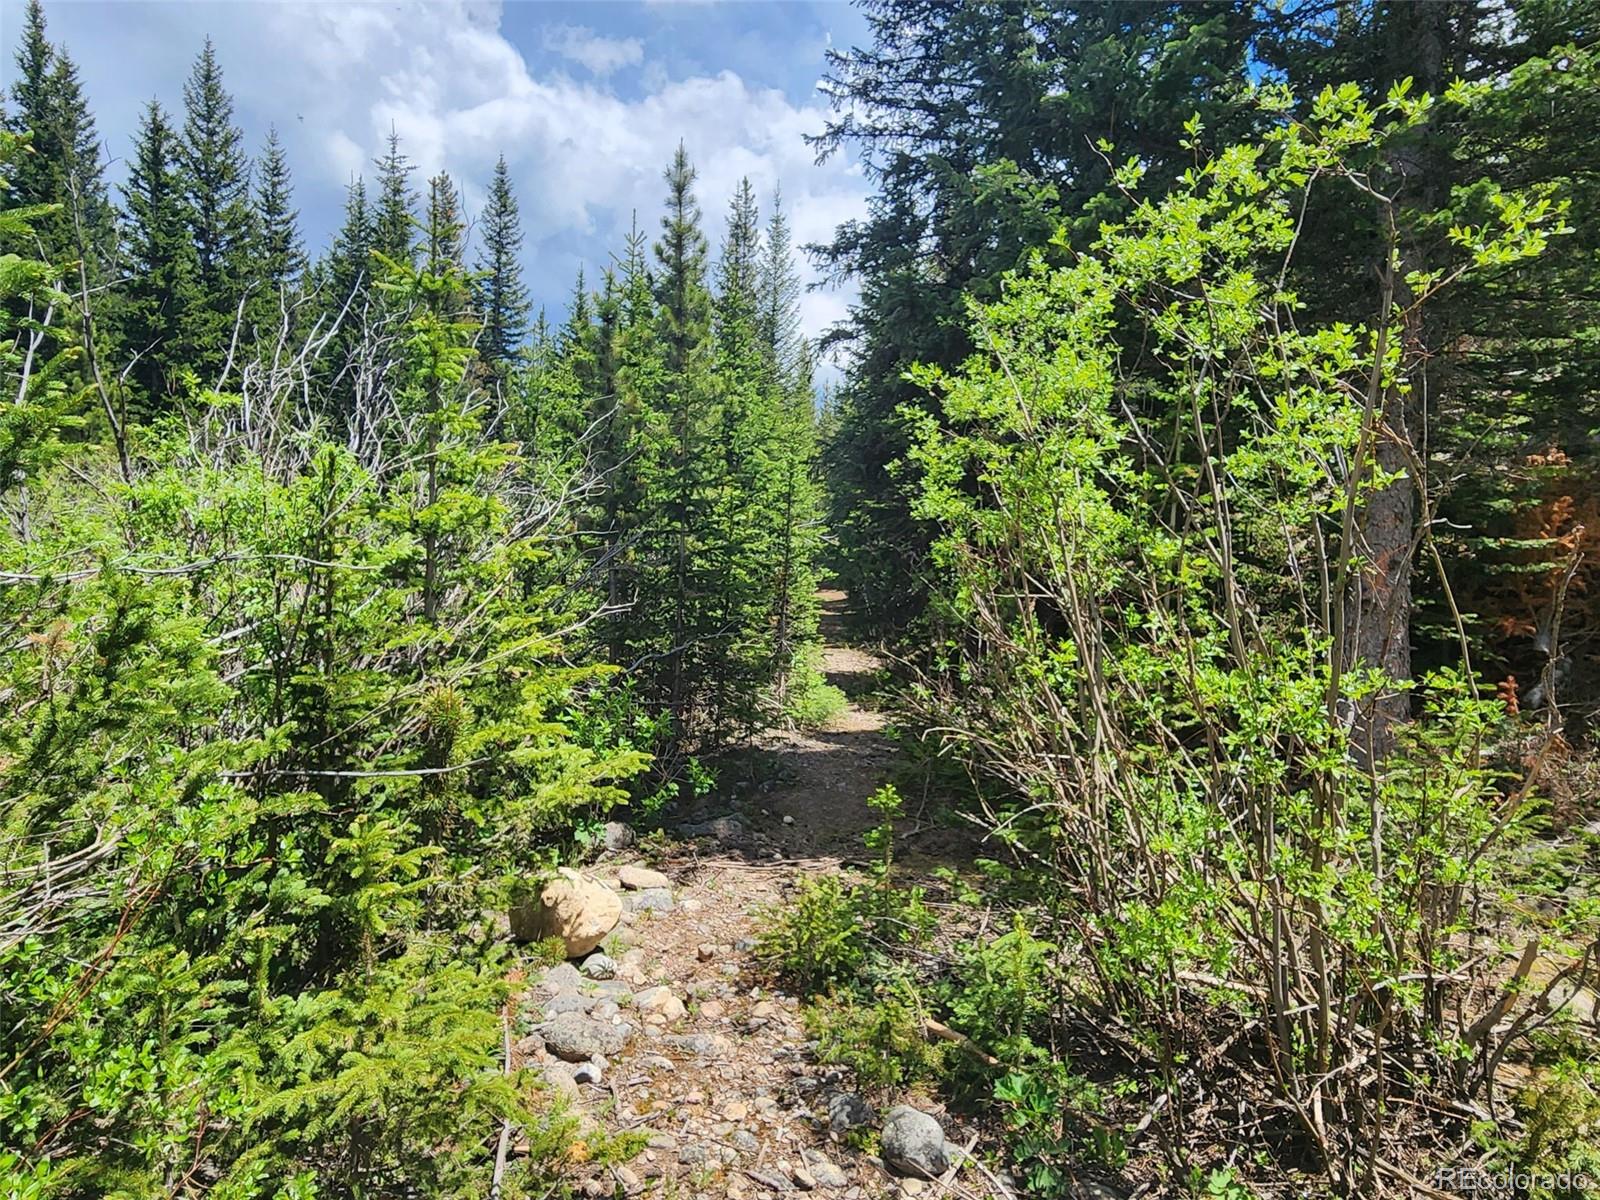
[1111, 713]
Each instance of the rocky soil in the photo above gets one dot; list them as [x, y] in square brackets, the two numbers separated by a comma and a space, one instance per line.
[670, 1028]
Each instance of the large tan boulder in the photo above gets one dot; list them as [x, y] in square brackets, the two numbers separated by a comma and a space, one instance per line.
[572, 907]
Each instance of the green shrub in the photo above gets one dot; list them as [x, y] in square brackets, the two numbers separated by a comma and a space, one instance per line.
[818, 938]
[883, 1039]
[810, 701]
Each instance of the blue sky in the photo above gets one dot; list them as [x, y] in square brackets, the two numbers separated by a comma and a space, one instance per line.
[586, 100]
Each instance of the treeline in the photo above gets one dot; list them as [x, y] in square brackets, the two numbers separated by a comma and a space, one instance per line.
[680, 388]
[1219, 446]
[990, 127]
[341, 596]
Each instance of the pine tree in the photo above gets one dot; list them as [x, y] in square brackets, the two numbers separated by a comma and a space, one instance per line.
[280, 256]
[446, 244]
[64, 166]
[395, 219]
[778, 308]
[499, 293]
[216, 174]
[799, 497]
[684, 604]
[345, 278]
[160, 260]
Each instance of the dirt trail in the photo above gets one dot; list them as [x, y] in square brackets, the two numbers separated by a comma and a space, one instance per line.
[718, 1069]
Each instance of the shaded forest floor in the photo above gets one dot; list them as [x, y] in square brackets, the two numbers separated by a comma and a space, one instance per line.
[721, 1072]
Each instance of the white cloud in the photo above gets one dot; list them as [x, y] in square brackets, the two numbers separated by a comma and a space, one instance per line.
[336, 76]
[583, 158]
[601, 55]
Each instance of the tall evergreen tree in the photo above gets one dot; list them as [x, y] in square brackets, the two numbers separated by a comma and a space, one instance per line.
[280, 255]
[160, 260]
[683, 606]
[216, 174]
[778, 306]
[279, 258]
[395, 218]
[445, 243]
[500, 295]
[65, 164]
[345, 278]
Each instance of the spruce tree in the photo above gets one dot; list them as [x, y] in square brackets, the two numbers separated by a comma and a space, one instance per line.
[778, 307]
[64, 166]
[280, 256]
[499, 293]
[446, 242]
[798, 494]
[345, 278]
[216, 175]
[395, 219]
[684, 603]
[160, 260]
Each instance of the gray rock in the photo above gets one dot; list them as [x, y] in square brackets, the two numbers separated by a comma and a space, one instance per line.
[563, 977]
[600, 966]
[575, 1037]
[744, 1141]
[692, 1156]
[823, 1169]
[617, 836]
[650, 900]
[567, 1002]
[558, 1077]
[847, 1111]
[662, 1141]
[701, 1045]
[913, 1143]
[589, 1072]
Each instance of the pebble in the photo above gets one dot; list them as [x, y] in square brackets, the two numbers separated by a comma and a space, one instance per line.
[628, 1179]
[662, 1141]
[589, 1072]
[745, 1142]
[787, 819]
[705, 951]
[702, 1045]
[692, 1156]
[803, 1180]
[712, 1010]
[736, 1110]
[660, 1000]
[617, 836]
[567, 1002]
[823, 1170]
